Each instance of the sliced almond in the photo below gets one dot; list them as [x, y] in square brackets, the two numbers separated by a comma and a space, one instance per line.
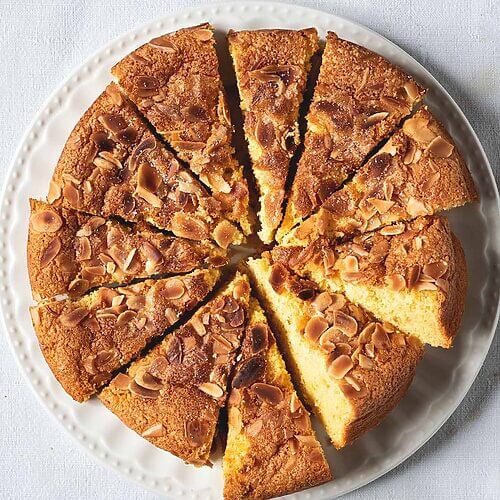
[436, 269]
[376, 118]
[268, 393]
[254, 428]
[51, 252]
[47, 221]
[156, 430]
[345, 323]
[74, 317]
[440, 148]
[340, 366]
[211, 389]
[416, 207]
[315, 327]
[225, 233]
[396, 282]
[174, 289]
[382, 206]
[121, 381]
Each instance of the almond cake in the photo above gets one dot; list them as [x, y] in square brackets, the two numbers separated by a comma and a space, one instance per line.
[412, 274]
[174, 81]
[351, 369]
[70, 252]
[359, 99]
[113, 165]
[419, 171]
[271, 69]
[173, 395]
[125, 256]
[271, 447]
[85, 341]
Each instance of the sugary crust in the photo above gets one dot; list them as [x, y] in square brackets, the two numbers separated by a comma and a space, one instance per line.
[396, 258]
[271, 71]
[273, 462]
[189, 372]
[85, 341]
[418, 172]
[112, 164]
[359, 99]
[174, 81]
[389, 357]
[79, 252]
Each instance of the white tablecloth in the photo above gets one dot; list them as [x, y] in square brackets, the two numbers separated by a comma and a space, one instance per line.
[42, 41]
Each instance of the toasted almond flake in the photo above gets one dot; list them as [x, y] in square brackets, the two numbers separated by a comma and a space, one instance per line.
[436, 269]
[338, 301]
[129, 259]
[83, 248]
[149, 197]
[351, 276]
[46, 221]
[322, 301]
[393, 230]
[411, 90]
[189, 227]
[268, 393]
[202, 34]
[121, 381]
[171, 315]
[340, 366]
[365, 362]
[50, 252]
[74, 317]
[413, 275]
[425, 285]
[376, 118]
[431, 181]
[254, 428]
[416, 207]
[364, 81]
[440, 148]
[350, 263]
[278, 277]
[443, 284]
[241, 289]
[295, 404]
[211, 389]
[174, 289]
[225, 233]
[380, 339]
[396, 282]
[345, 323]
[125, 317]
[382, 206]
[398, 339]
[366, 334]
[138, 390]
[327, 340]
[156, 430]
[198, 326]
[55, 192]
[315, 327]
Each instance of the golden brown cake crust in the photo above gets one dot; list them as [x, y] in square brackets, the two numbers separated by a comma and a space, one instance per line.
[173, 395]
[283, 455]
[422, 255]
[70, 252]
[174, 81]
[418, 172]
[271, 71]
[372, 363]
[85, 341]
[112, 164]
[359, 99]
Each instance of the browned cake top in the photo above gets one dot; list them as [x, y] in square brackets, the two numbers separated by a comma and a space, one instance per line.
[283, 454]
[85, 341]
[113, 165]
[356, 345]
[418, 255]
[172, 396]
[271, 70]
[174, 81]
[418, 172]
[359, 99]
[70, 252]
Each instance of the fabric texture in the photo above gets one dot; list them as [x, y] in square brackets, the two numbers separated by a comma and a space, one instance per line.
[43, 41]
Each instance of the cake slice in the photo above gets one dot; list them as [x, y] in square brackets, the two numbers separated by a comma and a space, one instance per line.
[70, 252]
[174, 81]
[351, 369]
[112, 164]
[173, 395]
[85, 341]
[271, 447]
[360, 98]
[271, 71]
[412, 274]
[419, 171]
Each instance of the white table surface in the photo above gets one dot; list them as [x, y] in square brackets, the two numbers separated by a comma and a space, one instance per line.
[42, 41]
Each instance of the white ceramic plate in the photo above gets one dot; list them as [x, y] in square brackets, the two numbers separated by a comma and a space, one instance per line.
[443, 377]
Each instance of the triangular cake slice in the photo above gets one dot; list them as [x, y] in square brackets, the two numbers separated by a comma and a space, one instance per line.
[412, 274]
[85, 341]
[112, 164]
[174, 81]
[70, 252]
[173, 395]
[271, 447]
[360, 98]
[271, 71]
[351, 369]
[419, 171]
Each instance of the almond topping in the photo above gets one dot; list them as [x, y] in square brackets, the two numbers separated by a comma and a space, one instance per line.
[138, 390]
[376, 118]
[382, 206]
[345, 323]
[295, 404]
[338, 301]
[413, 275]
[47, 221]
[198, 326]
[74, 317]
[72, 195]
[258, 337]
[416, 207]
[55, 192]
[268, 393]
[315, 327]
[174, 288]
[427, 185]
[440, 148]
[340, 366]
[189, 227]
[425, 285]
[51, 252]
[412, 91]
[202, 34]
[254, 428]
[365, 362]
[380, 338]
[156, 430]
[322, 301]
[211, 389]
[125, 317]
[350, 263]
[278, 277]
[121, 381]
[396, 282]
[393, 230]
[436, 269]
[225, 233]
[249, 372]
